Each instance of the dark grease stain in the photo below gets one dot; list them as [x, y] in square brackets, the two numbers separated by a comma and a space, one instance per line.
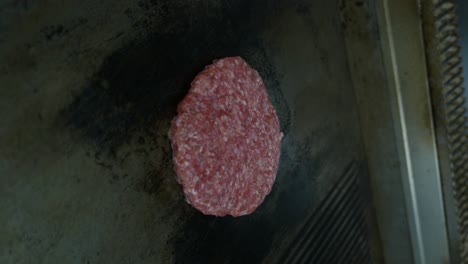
[303, 9]
[133, 98]
[139, 85]
[116, 36]
[53, 32]
[159, 171]
[220, 240]
[359, 3]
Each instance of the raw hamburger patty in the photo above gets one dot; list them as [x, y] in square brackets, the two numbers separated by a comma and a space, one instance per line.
[226, 140]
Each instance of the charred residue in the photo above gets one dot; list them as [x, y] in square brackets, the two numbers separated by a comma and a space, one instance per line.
[137, 87]
[132, 98]
[53, 32]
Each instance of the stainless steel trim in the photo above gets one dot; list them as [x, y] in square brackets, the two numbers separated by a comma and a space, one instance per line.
[403, 48]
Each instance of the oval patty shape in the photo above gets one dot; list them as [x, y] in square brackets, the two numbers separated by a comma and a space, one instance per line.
[226, 140]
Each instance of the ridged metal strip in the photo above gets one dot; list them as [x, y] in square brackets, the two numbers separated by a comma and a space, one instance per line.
[336, 232]
[443, 55]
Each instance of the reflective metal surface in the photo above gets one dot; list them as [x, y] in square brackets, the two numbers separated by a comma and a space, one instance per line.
[415, 138]
[401, 124]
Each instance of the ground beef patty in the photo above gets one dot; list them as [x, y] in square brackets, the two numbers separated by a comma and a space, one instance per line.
[226, 140]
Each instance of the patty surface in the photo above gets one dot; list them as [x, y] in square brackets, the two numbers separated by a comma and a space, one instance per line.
[226, 140]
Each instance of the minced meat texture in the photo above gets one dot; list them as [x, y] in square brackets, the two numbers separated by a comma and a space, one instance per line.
[226, 140]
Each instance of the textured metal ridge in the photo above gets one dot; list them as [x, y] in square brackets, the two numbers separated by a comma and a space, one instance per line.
[446, 83]
[336, 232]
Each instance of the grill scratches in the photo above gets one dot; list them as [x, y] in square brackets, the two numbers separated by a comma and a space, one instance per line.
[336, 232]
